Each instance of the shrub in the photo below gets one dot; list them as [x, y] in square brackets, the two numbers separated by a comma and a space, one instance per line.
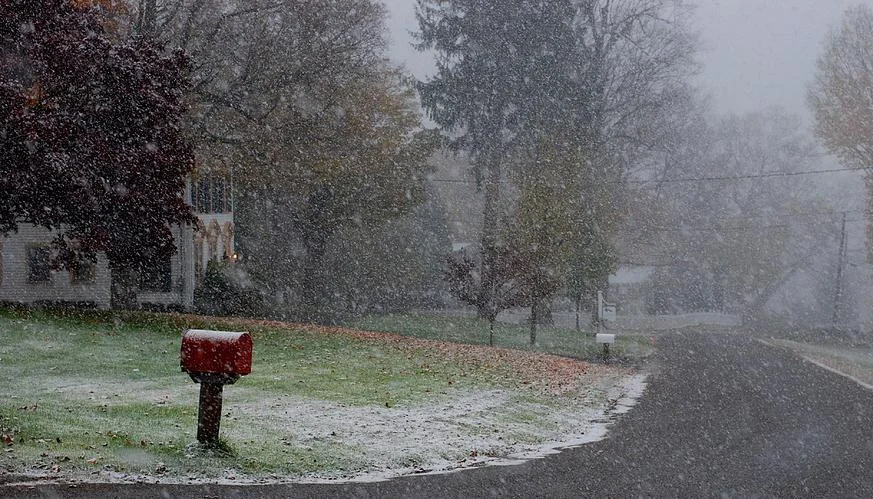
[221, 294]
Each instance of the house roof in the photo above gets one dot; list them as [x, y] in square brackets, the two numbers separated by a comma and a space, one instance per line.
[631, 274]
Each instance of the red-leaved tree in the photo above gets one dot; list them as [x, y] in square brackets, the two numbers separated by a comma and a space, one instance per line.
[90, 142]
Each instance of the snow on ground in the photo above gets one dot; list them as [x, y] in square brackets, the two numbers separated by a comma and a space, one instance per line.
[560, 403]
[461, 430]
[454, 431]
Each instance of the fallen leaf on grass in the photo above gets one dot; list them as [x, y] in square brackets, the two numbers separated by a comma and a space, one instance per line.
[7, 439]
[543, 372]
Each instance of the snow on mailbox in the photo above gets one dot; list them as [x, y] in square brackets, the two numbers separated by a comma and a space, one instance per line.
[214, 359]
[217, 353]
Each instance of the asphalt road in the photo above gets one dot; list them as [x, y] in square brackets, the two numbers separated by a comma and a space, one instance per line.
[723, 416]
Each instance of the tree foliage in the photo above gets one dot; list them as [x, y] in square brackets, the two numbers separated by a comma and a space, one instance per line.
[592, 76]
[91, 142]
[392, 266]
[502, 70]
[506, 287]
[547, 222]
[633, 59]
[840, 96]
[220, 294]
[730, 245]
[502, 78]
[320, 131]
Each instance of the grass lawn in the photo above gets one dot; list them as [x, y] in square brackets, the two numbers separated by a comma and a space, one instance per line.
[552, 340]
[87, 396]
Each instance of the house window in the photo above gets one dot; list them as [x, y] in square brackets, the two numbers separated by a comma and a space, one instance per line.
[83, 272]
[212, 194]
[39, 264]
[156, 275]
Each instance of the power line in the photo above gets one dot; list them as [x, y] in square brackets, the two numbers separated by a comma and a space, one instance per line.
[747, 177]
[743, 218]
[688, 179]
[729, 228]
[809, 214]
[739, 228]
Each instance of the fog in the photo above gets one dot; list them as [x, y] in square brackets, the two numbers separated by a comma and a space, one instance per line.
[754, 54]
[606, 190]
[660, 154]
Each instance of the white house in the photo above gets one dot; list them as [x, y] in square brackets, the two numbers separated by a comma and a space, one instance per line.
[27, 277]
[631, 288]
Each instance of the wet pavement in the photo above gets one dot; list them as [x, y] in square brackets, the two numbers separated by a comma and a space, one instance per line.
[723, 416]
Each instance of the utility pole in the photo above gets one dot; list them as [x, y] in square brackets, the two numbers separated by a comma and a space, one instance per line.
[840, 257]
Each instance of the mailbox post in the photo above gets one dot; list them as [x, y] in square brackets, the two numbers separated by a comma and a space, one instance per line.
[214, 359]
[605, 340]
[605, 311]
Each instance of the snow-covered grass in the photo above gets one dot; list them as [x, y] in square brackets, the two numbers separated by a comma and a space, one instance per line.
[89, 398]
[553, 340]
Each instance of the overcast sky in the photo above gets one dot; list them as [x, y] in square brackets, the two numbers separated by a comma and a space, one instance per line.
[755, 53]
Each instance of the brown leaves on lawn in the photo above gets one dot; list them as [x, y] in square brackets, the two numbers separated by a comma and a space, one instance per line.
[542, 372]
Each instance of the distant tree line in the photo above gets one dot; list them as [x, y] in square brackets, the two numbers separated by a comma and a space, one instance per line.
[578, 117]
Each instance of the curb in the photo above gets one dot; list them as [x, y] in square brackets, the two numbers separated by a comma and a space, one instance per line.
[864, 385]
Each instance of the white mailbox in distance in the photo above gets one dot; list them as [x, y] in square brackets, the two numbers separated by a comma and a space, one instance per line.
[605, 339]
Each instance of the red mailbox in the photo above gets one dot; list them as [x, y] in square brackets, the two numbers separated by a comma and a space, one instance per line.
[214, 359]
[216, 352]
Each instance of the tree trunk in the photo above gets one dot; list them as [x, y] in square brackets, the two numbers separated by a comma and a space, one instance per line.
[123, 287]
[148, 18]
[491, 331]
[318, 227]
[312, 289]
[544, 312]
[578, 311]
[490, 220]
[534, 316]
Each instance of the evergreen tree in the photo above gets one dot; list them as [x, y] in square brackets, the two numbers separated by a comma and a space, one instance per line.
[502, 81]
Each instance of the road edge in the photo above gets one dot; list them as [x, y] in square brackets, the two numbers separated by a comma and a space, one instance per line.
[857, 381]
